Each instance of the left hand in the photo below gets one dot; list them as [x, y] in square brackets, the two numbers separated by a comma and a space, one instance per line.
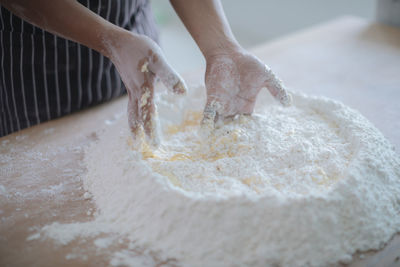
[233, 80]
[140, 61]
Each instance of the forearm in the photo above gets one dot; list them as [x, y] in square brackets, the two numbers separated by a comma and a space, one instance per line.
[66, 18]
[206, 22]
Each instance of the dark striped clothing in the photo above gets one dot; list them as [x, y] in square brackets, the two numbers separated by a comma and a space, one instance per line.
[44, 77]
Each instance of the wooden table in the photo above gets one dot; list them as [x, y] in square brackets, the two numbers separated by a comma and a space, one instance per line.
[349, 59]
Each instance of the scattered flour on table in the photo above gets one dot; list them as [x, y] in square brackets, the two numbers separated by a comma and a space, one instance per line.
[306, 185]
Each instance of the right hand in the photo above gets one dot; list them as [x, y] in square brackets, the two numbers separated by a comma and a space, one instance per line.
[233, 80]
[139, 61]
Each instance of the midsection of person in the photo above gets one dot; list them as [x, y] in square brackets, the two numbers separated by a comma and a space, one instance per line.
[45, 76]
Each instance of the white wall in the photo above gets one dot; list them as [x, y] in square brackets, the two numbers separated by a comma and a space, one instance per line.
[253, 22]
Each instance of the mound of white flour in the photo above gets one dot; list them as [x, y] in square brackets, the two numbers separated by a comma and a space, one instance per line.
[306, 185]
[275, 152]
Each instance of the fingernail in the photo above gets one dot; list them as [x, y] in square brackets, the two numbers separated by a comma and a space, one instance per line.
[180, 88]
[285, 98]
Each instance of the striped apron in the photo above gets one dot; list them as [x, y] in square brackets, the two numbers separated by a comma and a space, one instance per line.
[44, 76]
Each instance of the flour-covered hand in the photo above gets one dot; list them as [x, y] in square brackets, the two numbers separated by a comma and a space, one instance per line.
[233, 81]
[140, 63]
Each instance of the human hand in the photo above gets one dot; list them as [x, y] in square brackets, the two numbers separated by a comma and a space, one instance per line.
[140, 62]
[233, 81]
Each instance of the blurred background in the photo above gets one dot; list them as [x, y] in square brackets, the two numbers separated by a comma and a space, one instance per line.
[253, 22]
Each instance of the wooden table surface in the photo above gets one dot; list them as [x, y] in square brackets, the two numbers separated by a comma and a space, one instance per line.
[348, 59]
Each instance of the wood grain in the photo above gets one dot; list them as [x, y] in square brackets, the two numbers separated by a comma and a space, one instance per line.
[349, 59]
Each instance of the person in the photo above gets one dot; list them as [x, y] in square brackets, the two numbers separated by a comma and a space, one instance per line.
[388, 12]
[61, 56]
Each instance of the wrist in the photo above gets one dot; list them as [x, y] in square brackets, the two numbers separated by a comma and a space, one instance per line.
[221, 48]
[111, 38]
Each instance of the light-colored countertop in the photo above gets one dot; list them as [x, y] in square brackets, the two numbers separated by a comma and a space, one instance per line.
[348, 59]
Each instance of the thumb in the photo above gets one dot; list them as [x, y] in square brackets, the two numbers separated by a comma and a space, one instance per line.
[276, 88]
[168, 76]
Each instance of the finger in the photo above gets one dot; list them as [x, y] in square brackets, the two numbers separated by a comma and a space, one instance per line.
[168, 76]
[133, 115]
[276, 88]
[211, 113]
[147, 108]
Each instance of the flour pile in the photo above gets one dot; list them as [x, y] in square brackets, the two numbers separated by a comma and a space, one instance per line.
[306, 185]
